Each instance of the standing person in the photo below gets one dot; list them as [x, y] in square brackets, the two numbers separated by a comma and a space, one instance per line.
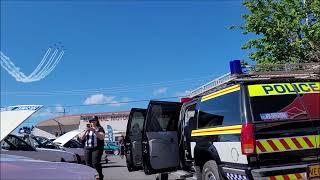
[93, 138]
[121, 142]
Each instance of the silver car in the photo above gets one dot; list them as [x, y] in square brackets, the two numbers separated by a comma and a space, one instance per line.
[14, 145]
[71, 146]
[67, 142]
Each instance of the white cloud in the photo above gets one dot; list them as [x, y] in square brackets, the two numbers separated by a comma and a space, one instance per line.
[50, 112]
[102, 99]
[185, 93]
[160, 91]
[59, 108]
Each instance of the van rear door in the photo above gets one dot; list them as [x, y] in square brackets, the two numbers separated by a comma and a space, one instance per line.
[287, 120]
[133, 139]
[160, 137]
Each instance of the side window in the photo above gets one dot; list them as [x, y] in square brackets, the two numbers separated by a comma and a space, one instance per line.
[35, 143]
[189, 115]
[221, 110]
[137, 124]
[6, 146]
[163, 118]
[68, 144]
[19, 144]
[73, 144]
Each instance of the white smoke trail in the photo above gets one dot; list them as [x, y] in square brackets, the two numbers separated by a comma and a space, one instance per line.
[44, 68]
[47, 65]
[10, 67]
[40, 64]
[54, 65]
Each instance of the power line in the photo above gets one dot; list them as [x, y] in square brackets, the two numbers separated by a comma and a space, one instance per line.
[116, 89]
[110, 103]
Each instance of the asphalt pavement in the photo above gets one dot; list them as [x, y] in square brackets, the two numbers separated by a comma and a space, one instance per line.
[116, 169]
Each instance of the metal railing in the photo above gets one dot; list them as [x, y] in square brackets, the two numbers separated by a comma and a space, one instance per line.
[302, 70]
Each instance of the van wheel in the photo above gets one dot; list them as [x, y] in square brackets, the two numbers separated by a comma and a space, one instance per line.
[162, 176]
[210, 171]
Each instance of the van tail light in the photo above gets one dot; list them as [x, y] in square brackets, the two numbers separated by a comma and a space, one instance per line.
[248, 142]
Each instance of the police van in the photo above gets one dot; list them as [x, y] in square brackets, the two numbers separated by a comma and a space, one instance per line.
[255, 125]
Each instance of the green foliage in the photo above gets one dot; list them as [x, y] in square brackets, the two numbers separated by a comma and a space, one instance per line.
[288, 30]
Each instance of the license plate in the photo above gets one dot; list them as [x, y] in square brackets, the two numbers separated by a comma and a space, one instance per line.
[314, 171]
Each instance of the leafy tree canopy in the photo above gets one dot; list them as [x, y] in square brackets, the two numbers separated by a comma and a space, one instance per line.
[288, 30]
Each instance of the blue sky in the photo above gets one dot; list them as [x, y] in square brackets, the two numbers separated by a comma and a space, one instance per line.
[120, 50]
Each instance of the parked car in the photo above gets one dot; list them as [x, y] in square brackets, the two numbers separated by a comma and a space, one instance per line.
[23, 168]
[11, 118]
[14, 145]
[42, 142]
[111, 148]
[68, 143]
[39, 142]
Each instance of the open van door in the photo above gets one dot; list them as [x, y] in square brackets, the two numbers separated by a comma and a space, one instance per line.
[133, 139]
[160, 147]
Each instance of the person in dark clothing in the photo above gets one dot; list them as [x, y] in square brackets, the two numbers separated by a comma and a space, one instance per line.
[121, 142]
[93, 138]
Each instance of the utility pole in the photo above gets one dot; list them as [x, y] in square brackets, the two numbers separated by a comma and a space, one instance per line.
[63, 112]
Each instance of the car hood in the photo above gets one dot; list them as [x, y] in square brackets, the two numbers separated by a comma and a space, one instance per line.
[13, 116]
[17, 167]
[62, 140]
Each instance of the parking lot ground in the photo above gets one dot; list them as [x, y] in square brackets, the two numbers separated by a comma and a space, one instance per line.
[116, 169]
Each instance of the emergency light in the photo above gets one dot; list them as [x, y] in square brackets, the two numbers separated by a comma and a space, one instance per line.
[235, 67]
[185, 99]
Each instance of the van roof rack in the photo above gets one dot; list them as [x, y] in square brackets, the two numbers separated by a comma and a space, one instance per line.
[261, 72]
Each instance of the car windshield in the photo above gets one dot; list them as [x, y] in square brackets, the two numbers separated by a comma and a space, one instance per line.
[44, 141]
[14, 143]
[283, 101]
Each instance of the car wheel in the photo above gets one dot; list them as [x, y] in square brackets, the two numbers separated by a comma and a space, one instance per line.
[116, 152]
[62, 160]
[210, 171]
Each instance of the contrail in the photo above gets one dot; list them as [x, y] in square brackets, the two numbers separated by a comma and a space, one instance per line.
[44, 69]
[40, 64]
[47, 64]
[54, 65]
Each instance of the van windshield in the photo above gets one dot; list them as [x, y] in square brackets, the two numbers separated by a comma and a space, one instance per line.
[282, 101]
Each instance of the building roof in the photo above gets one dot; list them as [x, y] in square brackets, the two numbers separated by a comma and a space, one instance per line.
[74, 119]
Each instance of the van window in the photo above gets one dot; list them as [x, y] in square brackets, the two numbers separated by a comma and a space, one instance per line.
[221, 110]
[288, 106]
[137, 125]
[282, 101]
[163, 118]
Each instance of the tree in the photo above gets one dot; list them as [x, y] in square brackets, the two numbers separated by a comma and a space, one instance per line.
[288, 30]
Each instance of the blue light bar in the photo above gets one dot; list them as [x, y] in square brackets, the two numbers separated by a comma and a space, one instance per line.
[235, 67]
